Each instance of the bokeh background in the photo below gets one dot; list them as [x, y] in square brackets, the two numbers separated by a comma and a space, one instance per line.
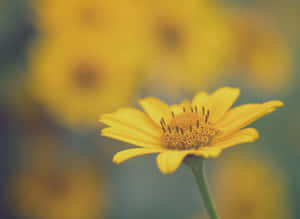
[64, 63]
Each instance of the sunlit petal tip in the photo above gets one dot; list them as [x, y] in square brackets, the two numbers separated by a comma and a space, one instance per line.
[215, 153]
[103, 131]
[167, 171]
[201, 93]
[150, 99]
[116, 160]
[164, 170]
[155, 108]
[253, 133]
[229, 89]
[275, 103]
[169, 161]
[103, 117]
[148, 103]
[209, 153]
[205, 155]
[102, 121]
[131, 153]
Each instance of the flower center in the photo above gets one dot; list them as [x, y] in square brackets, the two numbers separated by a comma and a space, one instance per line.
[55, 184]
[170, 36]
[89, 16]
[86, 76]
[188, 130]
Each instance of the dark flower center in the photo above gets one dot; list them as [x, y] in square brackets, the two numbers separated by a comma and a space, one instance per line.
[170, 36]
[188, 130]
[86, 76]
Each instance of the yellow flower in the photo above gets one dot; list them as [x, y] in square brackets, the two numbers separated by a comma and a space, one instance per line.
[203, 127]
[77, 76]
[55, 16]
[187, 43]
[248, 188]
[50, 190]
[262, 52]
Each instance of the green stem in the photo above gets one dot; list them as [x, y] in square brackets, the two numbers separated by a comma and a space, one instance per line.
[197, 166]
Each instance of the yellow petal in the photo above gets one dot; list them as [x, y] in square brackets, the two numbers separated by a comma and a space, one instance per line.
[130, 153]
[178, 108]
[169, 161]
[156, 109]
[131, 119]
[200, 99]
[221, 100]
[186, 103]
[208, 152]
[242, 136]
[218, 102]
[242, 116]
[138, 140]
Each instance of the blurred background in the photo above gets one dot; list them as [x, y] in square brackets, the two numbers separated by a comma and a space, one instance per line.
[64, 63]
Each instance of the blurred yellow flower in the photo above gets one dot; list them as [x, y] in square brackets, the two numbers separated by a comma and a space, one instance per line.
[78, 76]
[56, 16]
[261, 52]
[52, 190]
[203, 127]
[248, 188]
[188, 43]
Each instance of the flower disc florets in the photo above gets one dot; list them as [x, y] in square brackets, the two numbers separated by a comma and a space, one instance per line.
[188, 130]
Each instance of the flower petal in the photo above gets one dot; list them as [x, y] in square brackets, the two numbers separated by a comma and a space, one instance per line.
[200, 99]
[130, 153]
[221, 100]
[169, 161]
[242, 136]
[133, 138]
[242, 116]
[178, 108]
[208, 152]
[132, 119]
[156, 109]
[218, 102]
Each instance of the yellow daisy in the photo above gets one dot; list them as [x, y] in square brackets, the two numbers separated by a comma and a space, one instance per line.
[48, 189]
[261, 52]
[201, 127]
[77, 76]
[55, 16]
[238, 182]
[185, 41]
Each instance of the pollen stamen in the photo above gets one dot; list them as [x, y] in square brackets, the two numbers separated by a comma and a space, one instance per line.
[188, 130]
[162, 121]
[206, 117]
[169, 129]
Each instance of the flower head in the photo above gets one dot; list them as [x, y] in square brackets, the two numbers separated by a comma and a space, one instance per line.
[238, 182]
[55, 16]
[261, 51]
[70, 71]
[201, 127]
[192, 38]
[47, 188]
